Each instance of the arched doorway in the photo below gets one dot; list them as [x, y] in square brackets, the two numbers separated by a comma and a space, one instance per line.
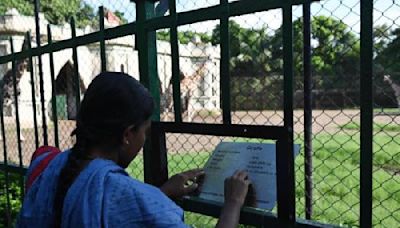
[65, 92]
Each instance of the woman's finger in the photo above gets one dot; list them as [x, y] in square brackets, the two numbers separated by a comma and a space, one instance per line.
[242, 175]
[236, 173]
[194, 174]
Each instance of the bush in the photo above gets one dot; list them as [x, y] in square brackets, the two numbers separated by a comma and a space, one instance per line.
[14, 193]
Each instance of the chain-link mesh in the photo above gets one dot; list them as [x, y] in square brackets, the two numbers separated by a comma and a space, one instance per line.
[386, 178]
[256, 69]
[256, 98]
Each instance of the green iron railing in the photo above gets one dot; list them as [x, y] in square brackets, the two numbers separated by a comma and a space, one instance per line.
[155, 156]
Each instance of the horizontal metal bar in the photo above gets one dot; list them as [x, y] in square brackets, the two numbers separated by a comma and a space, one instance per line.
[111, 33]
[248, 216]
[120, 31]
[211, 13]
[12, 168]
[236, 8]
[234, 130]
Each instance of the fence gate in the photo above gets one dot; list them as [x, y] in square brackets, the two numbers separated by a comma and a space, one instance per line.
[156, 161]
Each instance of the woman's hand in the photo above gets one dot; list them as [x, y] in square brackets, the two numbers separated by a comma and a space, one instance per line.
[236, 188]
[183, 183]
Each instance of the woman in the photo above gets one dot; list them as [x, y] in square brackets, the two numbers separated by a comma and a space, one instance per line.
[87, 186]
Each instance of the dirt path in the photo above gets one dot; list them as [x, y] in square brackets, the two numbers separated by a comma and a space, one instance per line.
[324, 122]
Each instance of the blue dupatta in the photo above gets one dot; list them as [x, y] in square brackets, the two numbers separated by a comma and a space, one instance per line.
[103, 195]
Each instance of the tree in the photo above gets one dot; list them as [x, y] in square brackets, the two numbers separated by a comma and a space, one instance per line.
[335, 55]
[121, 16]
[236, 33]
[55, 11]
[23, 6]
[335, 52]
[381, 38]
[184, 37]
[388, 58]
[250, 50]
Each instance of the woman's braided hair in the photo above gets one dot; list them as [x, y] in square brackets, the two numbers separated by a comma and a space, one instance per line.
[113, 102]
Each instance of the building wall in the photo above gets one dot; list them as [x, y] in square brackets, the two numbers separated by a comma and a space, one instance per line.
[120, 54]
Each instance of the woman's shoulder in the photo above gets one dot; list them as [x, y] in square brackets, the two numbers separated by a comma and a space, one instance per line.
[40, 159]
[143, 202]
[121, 181]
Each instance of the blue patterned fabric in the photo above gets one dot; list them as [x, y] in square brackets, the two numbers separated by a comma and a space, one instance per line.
[103, 195]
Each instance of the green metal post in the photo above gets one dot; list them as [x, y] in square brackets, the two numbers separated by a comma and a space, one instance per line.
[366, 136]
[102, 41]
[176, 76]
[76, 69]
[17, 123]
[285, 156]
[225, 81]
[308, 153]
[146, 44]
[30, 63]
[53, 89]
[40, 66]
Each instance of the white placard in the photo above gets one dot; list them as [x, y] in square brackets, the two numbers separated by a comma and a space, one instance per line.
[258, 159]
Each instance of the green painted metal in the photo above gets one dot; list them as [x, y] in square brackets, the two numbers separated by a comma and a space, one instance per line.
[146, 45]
[17, 122]
[77, 87]
[176, 76]
[212, 13]
[110, 33]
[40, 66]
[102, 41]
[236, 8]
[225, 82]
[12, 168]
[144, 30]
[285, 157]
[366, 95]
[62, 112]
[308, 118]
[53, 89]
[33, 94]
[249, 216]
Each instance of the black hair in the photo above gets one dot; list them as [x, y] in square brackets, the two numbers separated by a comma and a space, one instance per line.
[112, 102]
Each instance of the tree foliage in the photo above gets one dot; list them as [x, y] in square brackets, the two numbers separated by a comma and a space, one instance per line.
[388, 57]
[256, 52]
[121, 16]
[55, 11]
[184, 37]
[250, 49]
[14, 193]
[23, 6]
[259, 52]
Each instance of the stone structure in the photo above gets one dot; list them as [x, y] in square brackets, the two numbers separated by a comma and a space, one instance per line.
[199, 65]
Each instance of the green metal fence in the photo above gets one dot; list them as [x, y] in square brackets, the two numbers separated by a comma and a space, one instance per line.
[347, 171]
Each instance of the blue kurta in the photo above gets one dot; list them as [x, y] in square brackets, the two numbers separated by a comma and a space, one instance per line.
[103, 195]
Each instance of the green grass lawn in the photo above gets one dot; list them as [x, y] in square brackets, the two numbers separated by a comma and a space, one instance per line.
[377, 127]
[387, 110]
[336, 179]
